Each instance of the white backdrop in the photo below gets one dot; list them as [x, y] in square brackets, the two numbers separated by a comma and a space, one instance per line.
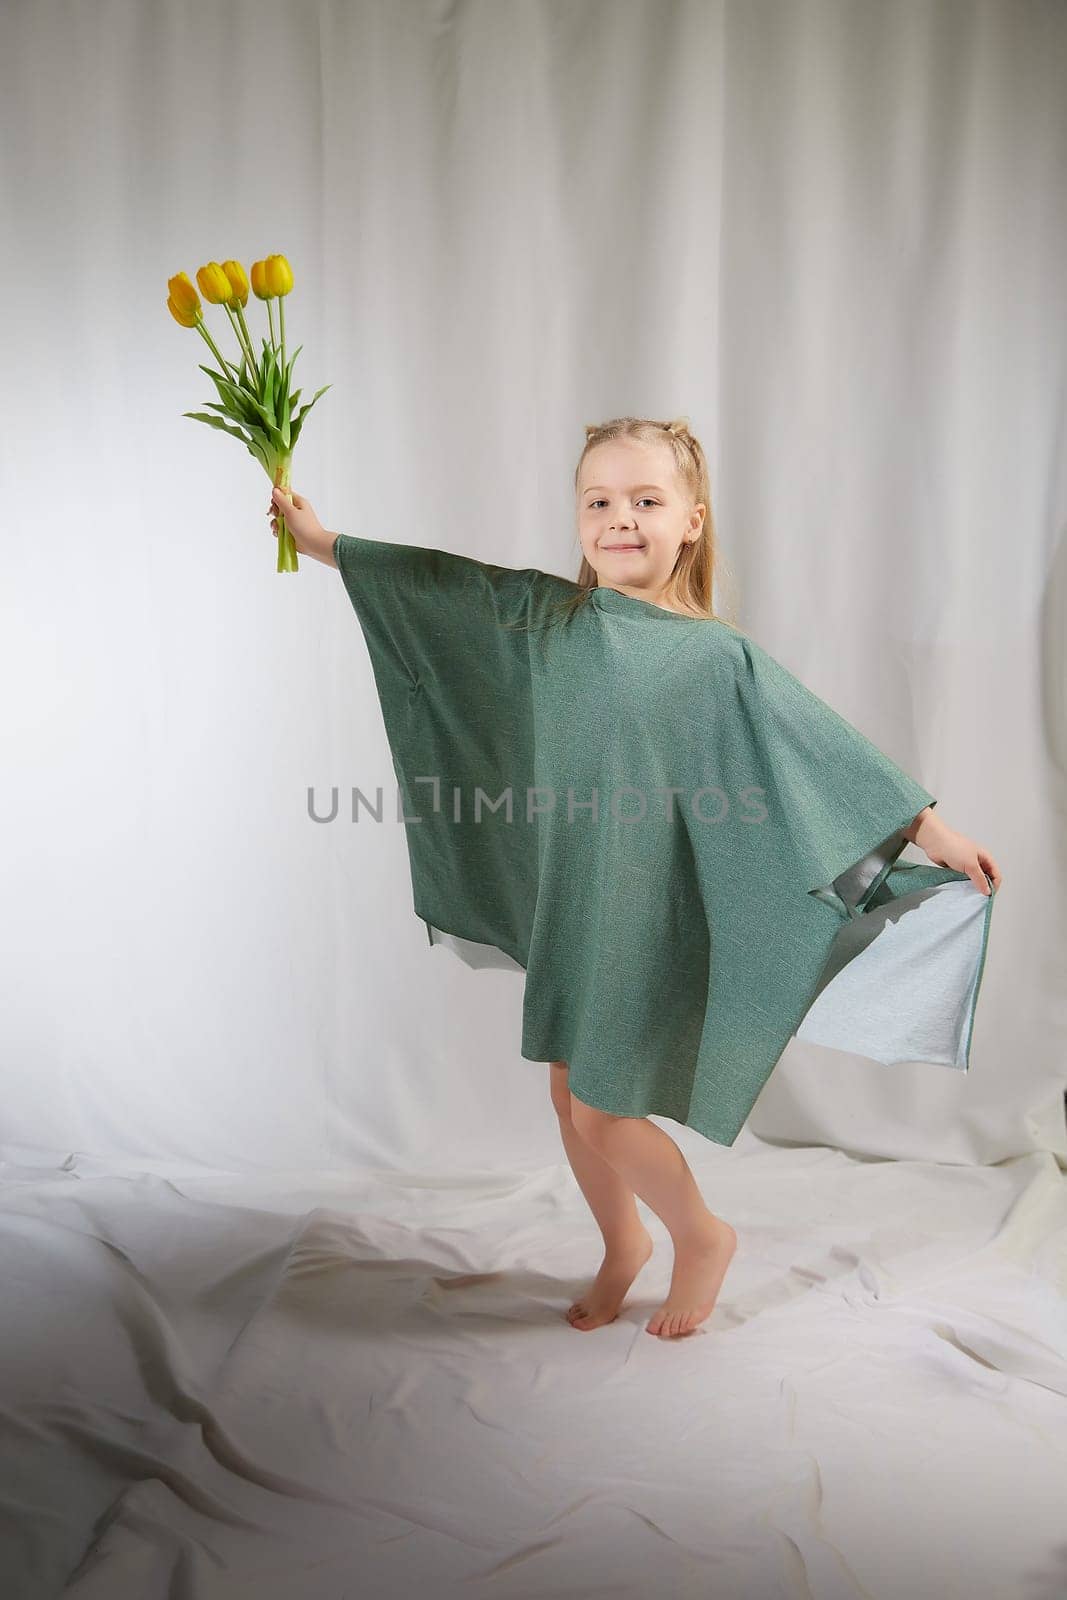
[834, 240]
[831, 234]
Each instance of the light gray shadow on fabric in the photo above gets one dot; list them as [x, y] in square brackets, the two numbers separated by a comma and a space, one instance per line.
[900, 981]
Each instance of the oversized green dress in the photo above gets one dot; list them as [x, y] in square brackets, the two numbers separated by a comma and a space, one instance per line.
[690, 854]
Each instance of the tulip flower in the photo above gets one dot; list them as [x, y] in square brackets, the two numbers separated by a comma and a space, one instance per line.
[256, 404]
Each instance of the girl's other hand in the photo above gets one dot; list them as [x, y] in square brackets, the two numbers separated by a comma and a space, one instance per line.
[946, 847]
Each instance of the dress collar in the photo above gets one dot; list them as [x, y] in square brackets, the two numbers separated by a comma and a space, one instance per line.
[608, 599]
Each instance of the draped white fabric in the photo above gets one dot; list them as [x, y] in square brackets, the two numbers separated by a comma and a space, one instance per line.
[286, 1226]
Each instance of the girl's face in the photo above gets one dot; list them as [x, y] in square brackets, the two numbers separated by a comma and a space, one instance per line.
[633, 516]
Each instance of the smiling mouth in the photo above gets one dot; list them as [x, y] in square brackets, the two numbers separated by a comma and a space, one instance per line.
[622, 547]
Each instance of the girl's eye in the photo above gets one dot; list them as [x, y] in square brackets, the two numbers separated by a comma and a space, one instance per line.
[594, 503]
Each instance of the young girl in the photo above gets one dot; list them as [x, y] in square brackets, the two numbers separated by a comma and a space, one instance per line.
[670, 953]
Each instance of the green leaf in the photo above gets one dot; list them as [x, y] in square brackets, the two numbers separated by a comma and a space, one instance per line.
[213, 405]
[215, 422]
[261, 453]
[269, 390]
[239, 402]
[261, 371]
[256, 445]
[299, 423]
[289, 368]
[286, 419]
[254, 430]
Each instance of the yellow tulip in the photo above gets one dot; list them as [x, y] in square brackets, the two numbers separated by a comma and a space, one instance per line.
[279, 275]
[238, 282]
[227, 286]
[215, 286]
[184, 304]
[271, 278]
[188, 319]
[184, 297]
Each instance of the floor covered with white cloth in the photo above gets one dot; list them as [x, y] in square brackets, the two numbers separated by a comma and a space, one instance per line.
[218, 1387]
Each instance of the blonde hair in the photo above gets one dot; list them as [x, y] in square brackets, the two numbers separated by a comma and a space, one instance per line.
[694, 580]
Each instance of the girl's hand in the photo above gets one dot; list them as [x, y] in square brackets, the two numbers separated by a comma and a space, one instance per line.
[947, 848]
[300, 518]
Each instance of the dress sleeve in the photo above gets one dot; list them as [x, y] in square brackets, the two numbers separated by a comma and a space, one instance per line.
[842, 801]
[421, 608]
[449, 648]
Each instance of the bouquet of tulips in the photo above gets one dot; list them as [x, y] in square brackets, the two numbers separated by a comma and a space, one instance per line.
[256, 398]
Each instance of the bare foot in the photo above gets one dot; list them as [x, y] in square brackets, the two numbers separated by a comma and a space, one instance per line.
[699, 1269]
[620, 1267]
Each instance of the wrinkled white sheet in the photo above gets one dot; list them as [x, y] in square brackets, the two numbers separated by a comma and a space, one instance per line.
[224, 1388]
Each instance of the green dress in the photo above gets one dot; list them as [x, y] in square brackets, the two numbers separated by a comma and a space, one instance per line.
[692, 856]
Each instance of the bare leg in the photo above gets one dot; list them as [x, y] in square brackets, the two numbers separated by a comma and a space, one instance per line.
[627, 1242]
[649, 1161]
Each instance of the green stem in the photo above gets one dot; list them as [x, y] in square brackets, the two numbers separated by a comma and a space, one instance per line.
[219, 357]
[288, 559]
[236, 329]
[287, 556]
[244, 335]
